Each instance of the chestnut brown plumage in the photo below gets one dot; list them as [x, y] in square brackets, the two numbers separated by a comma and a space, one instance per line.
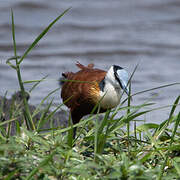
[84, 90]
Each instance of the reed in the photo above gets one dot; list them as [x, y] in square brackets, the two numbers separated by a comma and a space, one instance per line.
[103, 149]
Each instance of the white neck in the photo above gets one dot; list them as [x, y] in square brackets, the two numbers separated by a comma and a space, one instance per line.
[111, 92]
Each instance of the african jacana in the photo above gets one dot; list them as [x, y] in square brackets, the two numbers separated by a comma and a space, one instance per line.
[87, 87]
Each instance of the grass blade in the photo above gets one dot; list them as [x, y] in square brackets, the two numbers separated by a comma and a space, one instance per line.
[36, 83]
[41, 103]
[176, 165]
[174, 106]
[44, 115]
[151, 89]
[7, 121]
[11, 175]
[41, 35]
[13, 34]
[27, 114]
[172, 139]
[42, 163]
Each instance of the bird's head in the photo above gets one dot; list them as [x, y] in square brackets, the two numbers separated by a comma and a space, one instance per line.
[118, 76]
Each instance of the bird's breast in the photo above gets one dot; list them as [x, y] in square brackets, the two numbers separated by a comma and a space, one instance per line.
[110, 97]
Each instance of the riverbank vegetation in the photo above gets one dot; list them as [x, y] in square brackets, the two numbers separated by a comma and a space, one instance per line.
[111, 146]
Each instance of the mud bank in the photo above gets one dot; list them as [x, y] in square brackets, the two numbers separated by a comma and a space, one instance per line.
[13, 108]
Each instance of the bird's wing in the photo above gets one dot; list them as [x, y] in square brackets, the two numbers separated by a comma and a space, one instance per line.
[83, 86]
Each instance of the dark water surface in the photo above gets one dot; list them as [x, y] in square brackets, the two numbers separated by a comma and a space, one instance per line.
[103, 32]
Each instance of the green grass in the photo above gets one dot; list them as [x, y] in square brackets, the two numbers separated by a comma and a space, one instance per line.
[103, 149]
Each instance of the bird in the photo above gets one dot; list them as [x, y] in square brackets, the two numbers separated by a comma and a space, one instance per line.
[82, 90]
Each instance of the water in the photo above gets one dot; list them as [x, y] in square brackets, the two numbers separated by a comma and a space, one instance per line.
[100, 32]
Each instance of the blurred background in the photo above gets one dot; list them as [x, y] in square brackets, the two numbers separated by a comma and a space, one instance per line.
[95, 31]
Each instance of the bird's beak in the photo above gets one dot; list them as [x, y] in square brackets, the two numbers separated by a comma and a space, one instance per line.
[122, 76]
[124, 86]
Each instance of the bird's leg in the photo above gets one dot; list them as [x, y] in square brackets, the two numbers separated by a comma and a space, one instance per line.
[74, 132]
[75, 119]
